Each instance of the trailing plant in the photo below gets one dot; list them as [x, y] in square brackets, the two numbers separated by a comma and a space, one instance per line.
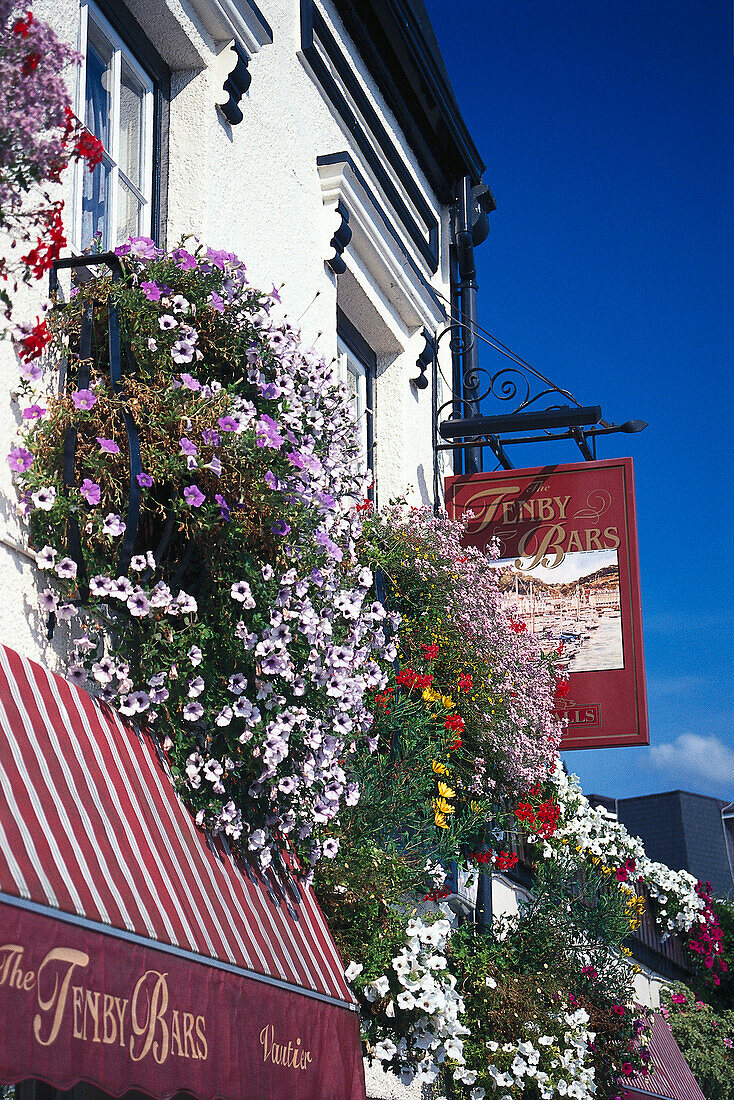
[39, 137]
[706, 1038]
[212, 579]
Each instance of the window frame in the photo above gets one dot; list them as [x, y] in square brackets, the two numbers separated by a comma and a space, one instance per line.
[128, 40]
[352, 345]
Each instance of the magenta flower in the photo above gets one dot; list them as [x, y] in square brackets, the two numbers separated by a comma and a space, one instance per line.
[210, 436]
[151, 291]
[91, 491]
[108, 446]
[184, 260]
[33, 412]
[142, 247]
[84, 399]
[20, 460]
[194, 496]
[144, 480]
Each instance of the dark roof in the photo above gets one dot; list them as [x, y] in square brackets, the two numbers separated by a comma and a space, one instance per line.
[397, 42]
[684, 831]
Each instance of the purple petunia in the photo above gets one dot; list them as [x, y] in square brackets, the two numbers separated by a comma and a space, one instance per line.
[84, 399]
[227, 424]
[224, 509]
[151, 291]
[144, 480]
[280, 527]
[217, 303]
[190, 382]
[187, 447]
[33, 412]
[20, 460]
[183, 351]
[113, 525]
[108, 446]
[268, 434]
[143, 248]
[194, 496]
[91, 491]
[184, 260]
[209, 436]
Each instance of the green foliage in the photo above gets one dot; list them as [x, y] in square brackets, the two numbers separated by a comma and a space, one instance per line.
[706, 1038]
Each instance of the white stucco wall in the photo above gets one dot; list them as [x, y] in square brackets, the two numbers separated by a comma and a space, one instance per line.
[255, 189]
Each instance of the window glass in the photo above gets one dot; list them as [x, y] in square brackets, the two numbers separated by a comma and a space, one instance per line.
[353, 372]
[116, 198]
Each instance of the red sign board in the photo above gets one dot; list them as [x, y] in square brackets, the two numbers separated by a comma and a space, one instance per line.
[568, 568]
[77, 1004]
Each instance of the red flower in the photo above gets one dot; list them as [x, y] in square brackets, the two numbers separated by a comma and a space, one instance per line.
[455, 744]
[365, 506]
[408, 677]
[30, 64]
[22, 26]
[454, 723]
[563, 687]
[89, 148]
[430, 652]
[32, 345]
[627, 1069]
[505, 861]
[465, 682]
[518, 626]
[619, 1009]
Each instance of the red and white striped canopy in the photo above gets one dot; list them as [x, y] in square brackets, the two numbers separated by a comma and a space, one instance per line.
[93, 834]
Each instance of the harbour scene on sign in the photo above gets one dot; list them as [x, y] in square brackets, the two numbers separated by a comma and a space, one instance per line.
[572, 609]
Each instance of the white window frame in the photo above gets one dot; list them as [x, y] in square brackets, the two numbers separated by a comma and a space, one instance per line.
[350, 364]
[120, 49]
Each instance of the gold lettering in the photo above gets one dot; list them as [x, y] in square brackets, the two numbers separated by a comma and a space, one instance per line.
[188, 1030]
[203, 1049]
[108, 1016]
[278, 1053]
[156, 1003]
[611, 534]
[176, 1047]
[574, 542]
[552, 539]
[120, 1006]
[14, 953]
[545, 508]
[91, 1005]
[57, 1000]
[508, 512]
[77, 999]
[485, 503]
[562, 503]
[592, 539]
[526, 510]
[265, 1040]
[29, 981]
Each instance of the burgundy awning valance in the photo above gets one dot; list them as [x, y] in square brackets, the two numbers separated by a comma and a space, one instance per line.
[134, 953]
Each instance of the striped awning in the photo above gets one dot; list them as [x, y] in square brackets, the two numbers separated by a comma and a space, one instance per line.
[229, 976]
[671, 1077]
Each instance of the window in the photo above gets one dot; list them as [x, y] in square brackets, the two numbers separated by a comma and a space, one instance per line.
[357, 365]
[118, 104]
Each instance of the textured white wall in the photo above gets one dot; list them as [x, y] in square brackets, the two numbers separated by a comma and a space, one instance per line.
[254, 188]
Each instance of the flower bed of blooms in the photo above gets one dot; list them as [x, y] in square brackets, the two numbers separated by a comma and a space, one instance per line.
[250, 639]
[679, 902]
[39, 136]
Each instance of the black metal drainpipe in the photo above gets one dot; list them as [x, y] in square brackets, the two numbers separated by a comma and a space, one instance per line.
[468, 296]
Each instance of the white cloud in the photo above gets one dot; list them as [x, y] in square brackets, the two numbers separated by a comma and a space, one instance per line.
[696, 757]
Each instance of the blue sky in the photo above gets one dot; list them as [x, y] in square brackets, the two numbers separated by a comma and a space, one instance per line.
[607, 127]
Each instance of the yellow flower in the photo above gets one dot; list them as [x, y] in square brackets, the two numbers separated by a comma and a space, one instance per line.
[431, 696]
[626, 951]
[444, 806]
[447, 702]
[439, 769]
[439, 819]
[445, 791]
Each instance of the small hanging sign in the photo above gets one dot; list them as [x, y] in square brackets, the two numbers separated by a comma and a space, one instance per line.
[569, 573]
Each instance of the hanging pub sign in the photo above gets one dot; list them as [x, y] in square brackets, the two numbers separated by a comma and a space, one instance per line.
[568, 570]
